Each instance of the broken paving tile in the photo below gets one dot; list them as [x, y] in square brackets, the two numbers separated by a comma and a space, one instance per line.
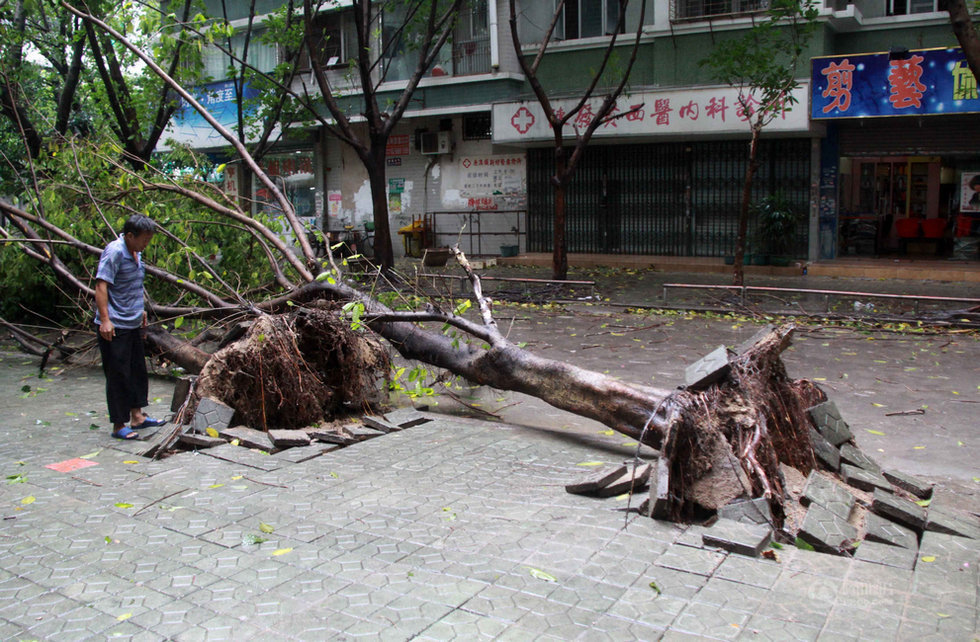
[914, 485]
[884, 531]
[406, 417]
[749, 511]
[708, 369]
[737, 537]
[360, 432]
[898, 509]
[211, 413]
[749, 343]
[244, 456]
[599, 479]
[630, 481]
[829, 423]
[946, 521]
[851, 454]
[200, 441]
[864, 479]
[825, 531]
[379, 423]
[182, 388]
[822, 491]
[248, 437]
[660, 490]
[299, 454]
[289, 438]
[332, 436]
[825, 451]
[877, 553]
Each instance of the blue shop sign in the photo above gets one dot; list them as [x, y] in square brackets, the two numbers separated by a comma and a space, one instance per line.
[910, 83]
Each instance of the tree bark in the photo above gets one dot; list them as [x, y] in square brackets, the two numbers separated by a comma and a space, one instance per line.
[738, 274]
[966, 34]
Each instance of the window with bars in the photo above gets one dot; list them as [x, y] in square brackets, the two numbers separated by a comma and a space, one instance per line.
[336, 40]
[906, 7]
[695, 9]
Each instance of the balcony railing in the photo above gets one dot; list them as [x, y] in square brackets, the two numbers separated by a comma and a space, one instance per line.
[685, 10]
[471, 56]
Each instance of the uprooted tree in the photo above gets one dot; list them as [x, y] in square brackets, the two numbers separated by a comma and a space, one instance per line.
[303, 337]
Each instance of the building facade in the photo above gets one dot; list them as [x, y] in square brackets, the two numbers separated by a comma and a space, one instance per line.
[471, 161]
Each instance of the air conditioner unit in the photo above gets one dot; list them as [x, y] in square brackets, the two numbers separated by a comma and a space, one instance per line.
[436, 142]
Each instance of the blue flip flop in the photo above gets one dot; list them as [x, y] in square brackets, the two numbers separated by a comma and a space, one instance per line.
[149, 422]
[126, 433]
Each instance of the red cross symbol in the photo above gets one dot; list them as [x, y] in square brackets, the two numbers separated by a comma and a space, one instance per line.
[522, 120]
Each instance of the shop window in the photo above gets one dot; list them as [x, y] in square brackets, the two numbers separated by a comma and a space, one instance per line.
[905, 7]
[693, 9]
[588, 19]
[476, 126]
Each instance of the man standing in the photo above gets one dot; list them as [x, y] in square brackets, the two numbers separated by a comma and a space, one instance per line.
[120, 317]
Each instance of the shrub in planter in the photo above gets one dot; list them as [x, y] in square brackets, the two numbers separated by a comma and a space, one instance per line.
[776, 223]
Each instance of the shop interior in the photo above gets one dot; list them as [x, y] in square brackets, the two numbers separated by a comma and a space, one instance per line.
[909, 206]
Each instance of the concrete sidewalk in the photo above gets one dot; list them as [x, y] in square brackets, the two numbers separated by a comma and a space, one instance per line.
[455, 529]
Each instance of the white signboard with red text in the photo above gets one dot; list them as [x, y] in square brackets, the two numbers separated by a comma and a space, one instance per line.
[650, 113]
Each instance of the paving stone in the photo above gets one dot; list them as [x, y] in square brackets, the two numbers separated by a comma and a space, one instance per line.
[909, 483]
[950, 522]
[851, 454]
[829, 423]
[825, 451]
[289, 438]
[339, 436]
[825, 531]
[406, 417]
[182, 388]
[380, 423]
[826, 493]
[244, 456]
[632, 480]
[659, 501]
[749, 511]
[211, 413]
[749, 343]
[248, 437]
[878, 553]
[864, 479]
[200, 441]
[898, 509]
[738, 537]
[884, 531]
[598, 479]
[359, 432]
[707, 370]
[300, 454]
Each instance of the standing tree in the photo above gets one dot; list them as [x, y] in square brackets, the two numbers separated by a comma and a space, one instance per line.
[966, 33]
[566, 160]
[761, 65]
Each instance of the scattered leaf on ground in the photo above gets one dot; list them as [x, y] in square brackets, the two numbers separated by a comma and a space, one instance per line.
[28, 500]
[130, 461]
[281, 551]
[124, 617]
[91, 455]
[875, 432]
[928, 558]
[123, 505]
[924, 502]
[656, 588]
[590, 463]
[802, 544]
[211, 432]
[538, 574]
[265, 528]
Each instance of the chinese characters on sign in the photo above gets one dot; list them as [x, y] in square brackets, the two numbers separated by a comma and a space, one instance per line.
[928, 81]
[698, 110]
[483, 178]
[398, 145]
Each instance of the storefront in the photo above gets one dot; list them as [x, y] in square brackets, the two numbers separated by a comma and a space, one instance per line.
[902, 149]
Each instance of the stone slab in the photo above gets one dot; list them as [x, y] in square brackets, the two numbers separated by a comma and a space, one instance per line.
[749, 343]
[749, 511]
[289, 438]
[829, 423]
[822, 491]
[182, 388]
[908, 483]
[851, 454]
[884, 531]
[599, 479]
[248, 437]
[360, 432]
[951, 523]
[738, 537]
[660, 490]
[878, 553]
[406, 417]
[899, 509]
[201, 441]
[299, 454]
[379, 423]
[708, 369]
[826, 532]
[244, 456]
[864, 479]
[630, 481]
[825, 451]
[211, 413]
[339, 437]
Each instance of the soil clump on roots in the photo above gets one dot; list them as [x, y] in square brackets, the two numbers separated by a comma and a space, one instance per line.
[296, 370]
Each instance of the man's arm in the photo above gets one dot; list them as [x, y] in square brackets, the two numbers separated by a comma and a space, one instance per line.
[106, 330]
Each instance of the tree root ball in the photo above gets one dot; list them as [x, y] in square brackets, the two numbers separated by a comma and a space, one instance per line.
[296, 370]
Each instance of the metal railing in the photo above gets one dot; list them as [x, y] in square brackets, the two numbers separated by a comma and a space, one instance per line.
[681, 10]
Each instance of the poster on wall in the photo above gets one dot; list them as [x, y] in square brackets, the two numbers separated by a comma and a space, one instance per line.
[334, 200]
[491, 175]
[970, 191]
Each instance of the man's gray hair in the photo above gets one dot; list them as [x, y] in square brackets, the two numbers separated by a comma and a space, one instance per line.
[139, 224]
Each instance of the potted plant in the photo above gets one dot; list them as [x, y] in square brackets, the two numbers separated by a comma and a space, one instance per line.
[776, 224]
